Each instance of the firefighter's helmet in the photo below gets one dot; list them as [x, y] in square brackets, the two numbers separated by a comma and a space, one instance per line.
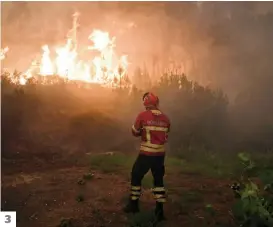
[150, 100]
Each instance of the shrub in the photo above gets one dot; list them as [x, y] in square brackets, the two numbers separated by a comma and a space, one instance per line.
[254, 206]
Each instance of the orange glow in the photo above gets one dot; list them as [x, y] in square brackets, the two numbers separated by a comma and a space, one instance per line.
[3, 53]
[105, 68]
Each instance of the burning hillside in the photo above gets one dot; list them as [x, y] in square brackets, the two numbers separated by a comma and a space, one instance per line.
[102, 66]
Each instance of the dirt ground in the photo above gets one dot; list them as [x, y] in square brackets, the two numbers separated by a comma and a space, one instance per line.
[43, 188]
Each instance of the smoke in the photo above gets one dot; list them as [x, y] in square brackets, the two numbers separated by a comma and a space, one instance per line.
[226, 45]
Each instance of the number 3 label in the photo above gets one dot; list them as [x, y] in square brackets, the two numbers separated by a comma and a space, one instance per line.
[7, 219]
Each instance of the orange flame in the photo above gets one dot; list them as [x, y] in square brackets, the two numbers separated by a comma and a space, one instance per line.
[3, 53]
[106, 68]
[46, 67]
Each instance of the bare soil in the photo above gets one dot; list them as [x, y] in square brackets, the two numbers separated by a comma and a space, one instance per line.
[43, 186]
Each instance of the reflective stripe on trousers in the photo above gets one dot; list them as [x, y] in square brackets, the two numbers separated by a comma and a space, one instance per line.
[159, 194]
[135, 192]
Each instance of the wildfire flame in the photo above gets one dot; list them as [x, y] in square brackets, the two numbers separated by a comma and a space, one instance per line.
[3, 53]
[106, 68]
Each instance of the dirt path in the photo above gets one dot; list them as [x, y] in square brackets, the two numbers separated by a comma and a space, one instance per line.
[42, 199]
[45, 196]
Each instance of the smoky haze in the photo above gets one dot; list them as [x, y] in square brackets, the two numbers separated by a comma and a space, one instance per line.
[66, 146]
[219, 45]
[226, 45]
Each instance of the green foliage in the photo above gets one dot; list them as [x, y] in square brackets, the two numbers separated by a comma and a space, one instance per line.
[111, 162]
[213, 164]
[254, 205]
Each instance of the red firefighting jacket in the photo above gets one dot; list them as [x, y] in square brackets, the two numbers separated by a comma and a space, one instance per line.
[153, 127]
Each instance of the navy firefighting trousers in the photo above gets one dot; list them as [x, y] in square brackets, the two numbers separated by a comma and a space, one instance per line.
[141, 166]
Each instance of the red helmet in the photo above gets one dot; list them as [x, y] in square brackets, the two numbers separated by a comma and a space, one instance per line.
[150, 100]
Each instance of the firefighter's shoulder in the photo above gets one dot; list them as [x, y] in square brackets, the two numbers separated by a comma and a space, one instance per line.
[145, 112]
[165, 116]
[142, 114]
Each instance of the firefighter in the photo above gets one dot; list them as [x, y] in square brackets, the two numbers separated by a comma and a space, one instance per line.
[152, 126]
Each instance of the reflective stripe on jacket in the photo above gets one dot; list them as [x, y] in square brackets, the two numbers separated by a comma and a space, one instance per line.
[153, 127]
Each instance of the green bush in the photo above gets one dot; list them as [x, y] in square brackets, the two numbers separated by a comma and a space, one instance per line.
[254, 205]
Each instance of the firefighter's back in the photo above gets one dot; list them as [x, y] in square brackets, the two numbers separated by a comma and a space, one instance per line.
[155, 132]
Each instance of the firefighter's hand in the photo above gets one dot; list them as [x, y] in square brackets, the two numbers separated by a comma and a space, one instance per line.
[140, 132]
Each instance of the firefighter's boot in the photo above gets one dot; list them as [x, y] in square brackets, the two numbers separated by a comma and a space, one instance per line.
[159, 212]
[131, 207]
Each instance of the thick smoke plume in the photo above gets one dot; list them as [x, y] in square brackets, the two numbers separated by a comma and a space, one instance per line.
[220, 45]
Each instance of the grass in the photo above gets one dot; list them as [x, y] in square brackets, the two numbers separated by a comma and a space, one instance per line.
[205, 164]
[111, 163]
[187, 201]
[209, 164]
[120, 164]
